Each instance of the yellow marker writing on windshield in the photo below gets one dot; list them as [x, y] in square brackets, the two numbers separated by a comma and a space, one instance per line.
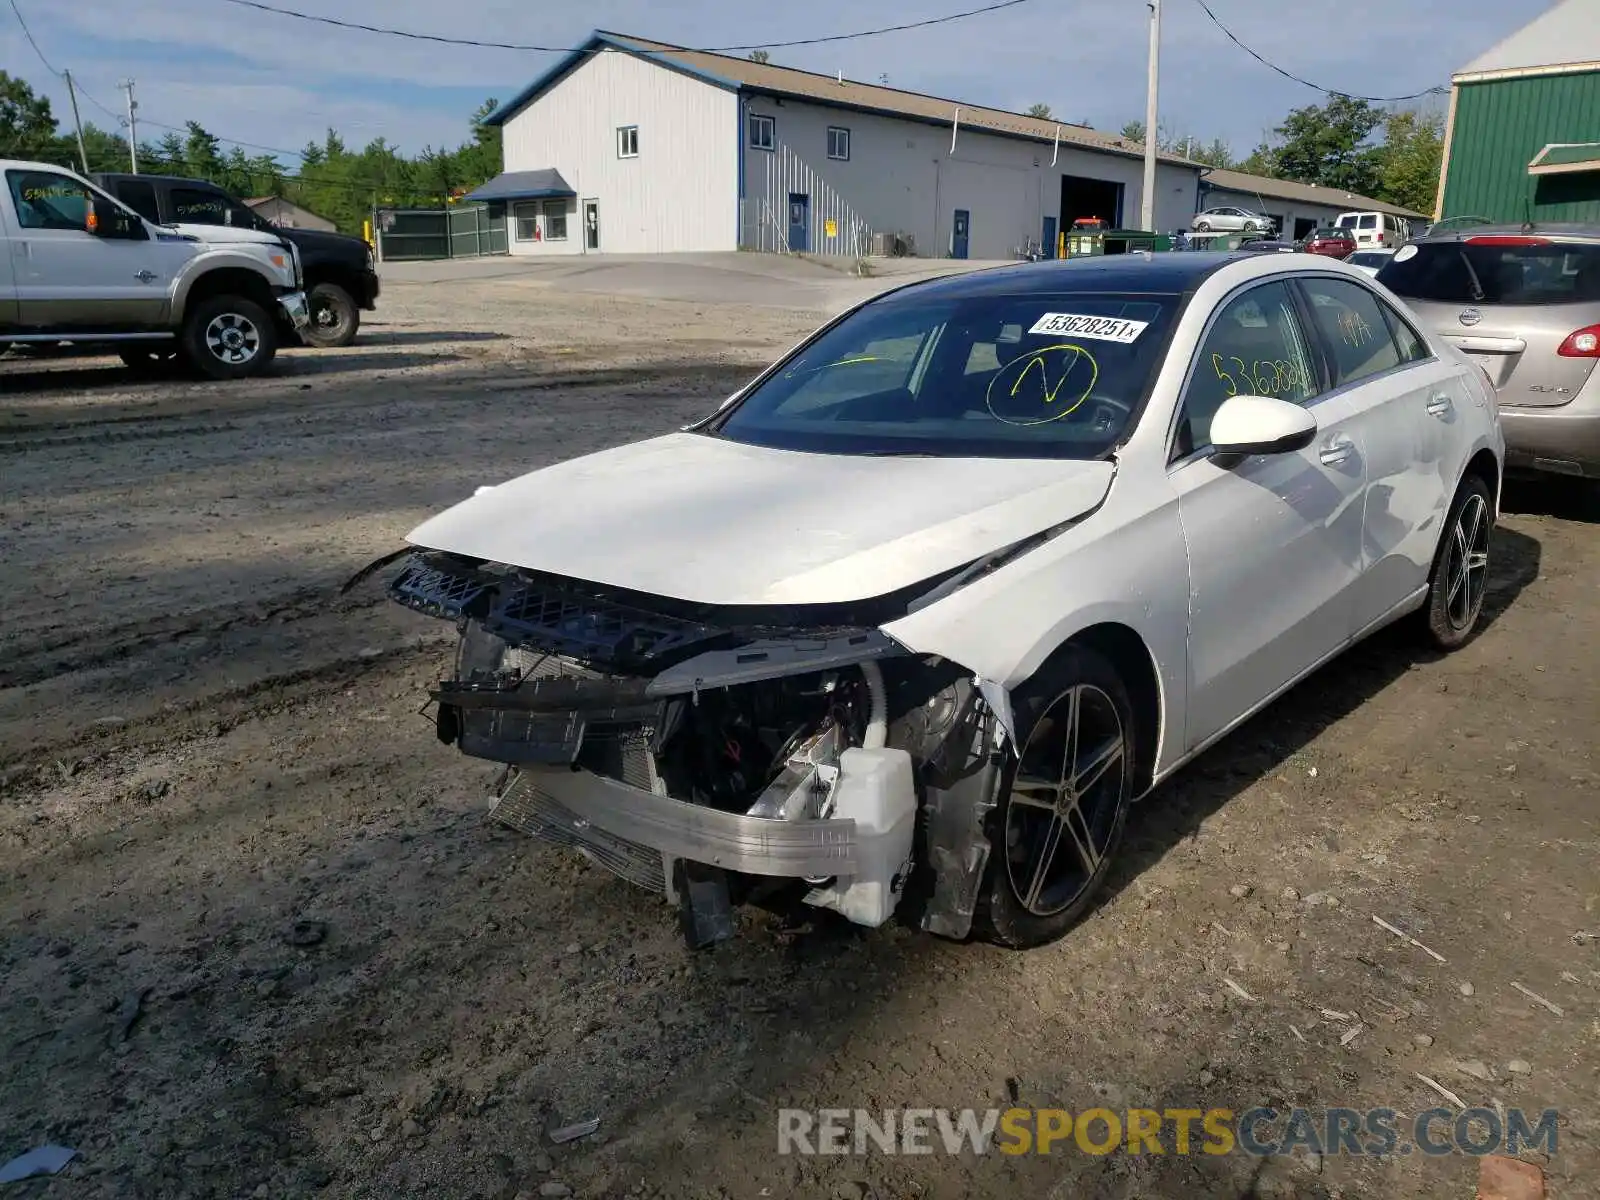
[1041, 358]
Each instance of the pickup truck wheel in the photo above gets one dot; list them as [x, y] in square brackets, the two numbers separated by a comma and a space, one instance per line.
[229, 337]
[334, 317]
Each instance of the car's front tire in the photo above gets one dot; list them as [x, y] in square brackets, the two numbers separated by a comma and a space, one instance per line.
[334, 317]
[1459, 579]
[1068, 788]
[229, 337]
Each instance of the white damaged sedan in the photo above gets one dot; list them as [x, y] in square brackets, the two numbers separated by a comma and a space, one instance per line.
[907, 624]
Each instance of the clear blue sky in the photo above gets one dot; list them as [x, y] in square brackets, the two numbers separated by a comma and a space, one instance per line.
[276, 81]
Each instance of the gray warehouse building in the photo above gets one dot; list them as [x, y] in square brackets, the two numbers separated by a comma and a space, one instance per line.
[635, 146]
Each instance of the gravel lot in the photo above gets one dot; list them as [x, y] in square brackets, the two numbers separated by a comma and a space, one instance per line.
[220, 809]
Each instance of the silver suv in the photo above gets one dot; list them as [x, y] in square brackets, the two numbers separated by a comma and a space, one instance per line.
[1524, 301]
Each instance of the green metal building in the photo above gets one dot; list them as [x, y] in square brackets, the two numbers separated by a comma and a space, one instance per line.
[1522, 142]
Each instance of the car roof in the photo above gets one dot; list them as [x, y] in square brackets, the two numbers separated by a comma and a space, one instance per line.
[119, 175]
[1172, 273]
[1571, 229]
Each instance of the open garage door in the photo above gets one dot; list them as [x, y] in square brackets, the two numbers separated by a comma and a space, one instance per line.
[1084, 197]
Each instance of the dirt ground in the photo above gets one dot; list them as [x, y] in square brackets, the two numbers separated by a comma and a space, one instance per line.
[257, 939]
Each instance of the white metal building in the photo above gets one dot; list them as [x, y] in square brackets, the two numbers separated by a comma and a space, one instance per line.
[657, 148]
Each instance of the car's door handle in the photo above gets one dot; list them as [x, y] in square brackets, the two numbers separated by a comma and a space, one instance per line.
[1336, 450]
[1440, 406]
[144, 276]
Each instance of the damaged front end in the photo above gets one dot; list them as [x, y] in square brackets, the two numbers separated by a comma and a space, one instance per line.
[720, 755]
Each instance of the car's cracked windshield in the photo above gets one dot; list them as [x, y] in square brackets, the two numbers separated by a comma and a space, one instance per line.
[1018, 376]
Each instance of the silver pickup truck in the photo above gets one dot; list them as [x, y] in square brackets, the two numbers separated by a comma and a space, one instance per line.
[77, 266]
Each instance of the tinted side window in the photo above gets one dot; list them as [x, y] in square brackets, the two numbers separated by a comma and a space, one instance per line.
[1354, 331]
[141, 197]
[1406, 339]
[192, 206]
[1255, 347]
[45, 200]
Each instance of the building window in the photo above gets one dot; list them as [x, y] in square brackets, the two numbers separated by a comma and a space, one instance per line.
[527, 221]
[628, 142]
[555, 220]
[763, 132]
[838, 143]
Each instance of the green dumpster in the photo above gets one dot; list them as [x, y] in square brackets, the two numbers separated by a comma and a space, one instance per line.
[1092, 237]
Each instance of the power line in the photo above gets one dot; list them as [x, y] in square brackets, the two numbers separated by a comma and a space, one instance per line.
[184, 129]
[118, 117]
[455, 41]
[28, 33]
[1270, 65]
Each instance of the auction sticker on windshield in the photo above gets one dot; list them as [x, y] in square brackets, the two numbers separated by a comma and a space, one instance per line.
[1103, 329]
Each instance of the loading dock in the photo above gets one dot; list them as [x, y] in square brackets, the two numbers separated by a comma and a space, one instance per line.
[1084, 197]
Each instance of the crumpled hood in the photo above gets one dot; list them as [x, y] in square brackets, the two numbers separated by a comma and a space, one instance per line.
[702, 519]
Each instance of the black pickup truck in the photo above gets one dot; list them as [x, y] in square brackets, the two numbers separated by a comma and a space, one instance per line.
[341, 279]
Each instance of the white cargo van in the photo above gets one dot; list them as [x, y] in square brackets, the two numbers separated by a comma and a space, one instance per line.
[1375, 228]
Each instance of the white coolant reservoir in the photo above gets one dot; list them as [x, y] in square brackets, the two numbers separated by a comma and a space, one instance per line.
[876, 790]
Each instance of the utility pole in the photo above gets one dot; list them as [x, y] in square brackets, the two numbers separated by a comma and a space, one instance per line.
[1147, 209]
[72, 92]
[133, 125]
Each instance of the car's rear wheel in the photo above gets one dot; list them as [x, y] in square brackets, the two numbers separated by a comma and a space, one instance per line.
[334, 317]
[229, 337]
[1460, 576]
[1055, 832]
[1202, 226]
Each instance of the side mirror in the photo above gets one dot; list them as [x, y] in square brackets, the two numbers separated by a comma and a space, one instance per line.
[1261, 425]
[114, 222]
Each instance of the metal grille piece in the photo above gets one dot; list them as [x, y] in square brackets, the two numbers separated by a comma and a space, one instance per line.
[586, 627]
[437, 593]
[528, 809]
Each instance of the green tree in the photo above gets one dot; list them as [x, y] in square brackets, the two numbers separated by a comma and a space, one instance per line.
[1042, 111]
[1408, 163]
[1263, 161]
[1327, 145]
[202, 152]
[106, 151]
[1215, 153]
[759, 56]
[332, 179]
[27, 126]
[169, 153]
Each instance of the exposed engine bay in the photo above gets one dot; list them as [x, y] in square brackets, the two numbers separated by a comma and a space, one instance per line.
[718, 756]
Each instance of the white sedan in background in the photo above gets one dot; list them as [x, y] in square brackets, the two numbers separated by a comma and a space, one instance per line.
[988, 556]
[1370, 261]
[1231, 220]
